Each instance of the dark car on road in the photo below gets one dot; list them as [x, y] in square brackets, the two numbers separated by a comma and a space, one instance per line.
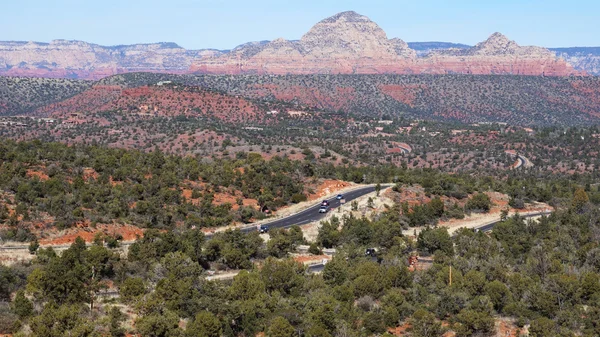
[371, 252]
[325, 203]
[339, 197]
[263, 229]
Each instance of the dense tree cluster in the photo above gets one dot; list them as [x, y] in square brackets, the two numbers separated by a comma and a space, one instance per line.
[146, 189]
[544, 274]
[19, 95]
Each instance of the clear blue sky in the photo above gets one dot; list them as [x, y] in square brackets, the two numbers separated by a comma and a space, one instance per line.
[221, 24]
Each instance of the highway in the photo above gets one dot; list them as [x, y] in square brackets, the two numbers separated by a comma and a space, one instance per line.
[312, 214]
[306, 216]
[489, 226]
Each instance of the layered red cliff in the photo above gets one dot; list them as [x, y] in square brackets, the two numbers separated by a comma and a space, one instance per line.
[346, 43]
[349, 43]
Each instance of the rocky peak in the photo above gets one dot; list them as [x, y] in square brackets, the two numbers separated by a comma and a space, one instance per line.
[348, 16]
[495, 44]
[498, 38]
[402, 48]
[347, 35]
[499, 45]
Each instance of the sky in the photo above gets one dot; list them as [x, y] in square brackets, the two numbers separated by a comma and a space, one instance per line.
[224, 24]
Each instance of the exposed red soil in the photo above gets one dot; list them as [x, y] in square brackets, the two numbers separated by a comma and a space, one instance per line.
[506, 328]
[219, 198]
[89, 173]
[339, 98]
[156, 101]
[37, 173]
[87, 233]
[328, 187]
[402, 93]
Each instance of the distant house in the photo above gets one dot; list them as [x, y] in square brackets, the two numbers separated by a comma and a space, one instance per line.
[529, 131]
[296, 113]
[272, 112]
[11, 123]
[386, 122]
[163, 83]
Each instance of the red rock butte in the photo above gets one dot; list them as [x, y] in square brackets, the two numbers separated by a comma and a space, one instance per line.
[346, 43]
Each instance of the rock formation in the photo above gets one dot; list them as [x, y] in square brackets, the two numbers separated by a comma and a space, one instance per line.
[582, 58]
[349, 43]
[496, 55]
[346, 43]
[77, 59]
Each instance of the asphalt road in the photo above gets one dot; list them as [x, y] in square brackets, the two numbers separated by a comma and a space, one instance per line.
[308, 215]
[489, 226]
[312, 213]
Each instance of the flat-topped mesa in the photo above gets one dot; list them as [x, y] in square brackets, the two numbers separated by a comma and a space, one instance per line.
[79, 59]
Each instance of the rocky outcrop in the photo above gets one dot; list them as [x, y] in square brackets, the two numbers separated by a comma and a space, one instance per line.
[346, 43]
[582, 58]
[77, 59]
[496, 55]
[350, 43]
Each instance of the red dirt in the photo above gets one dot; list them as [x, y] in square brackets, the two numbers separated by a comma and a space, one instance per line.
[159, 101]
[89, 173]
[128, 232]
[220, 198]
[39, 174]
[327, 187]
[402, 93]
[506, 329]
[339, 98]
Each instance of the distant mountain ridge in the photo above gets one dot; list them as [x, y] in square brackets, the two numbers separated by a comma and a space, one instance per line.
[346, 43]
[581, 58]
[78, 59]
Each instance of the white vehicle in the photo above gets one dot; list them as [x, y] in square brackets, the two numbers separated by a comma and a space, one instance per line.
[323, 209]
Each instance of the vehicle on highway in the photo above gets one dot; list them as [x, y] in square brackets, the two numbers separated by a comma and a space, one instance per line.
[339, 197]
[324, 209]
[263, 229]
[371, 252]
[325, 203]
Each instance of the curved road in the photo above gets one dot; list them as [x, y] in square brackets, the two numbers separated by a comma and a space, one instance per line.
[308, 215]
[489, 226]
[312, 213]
